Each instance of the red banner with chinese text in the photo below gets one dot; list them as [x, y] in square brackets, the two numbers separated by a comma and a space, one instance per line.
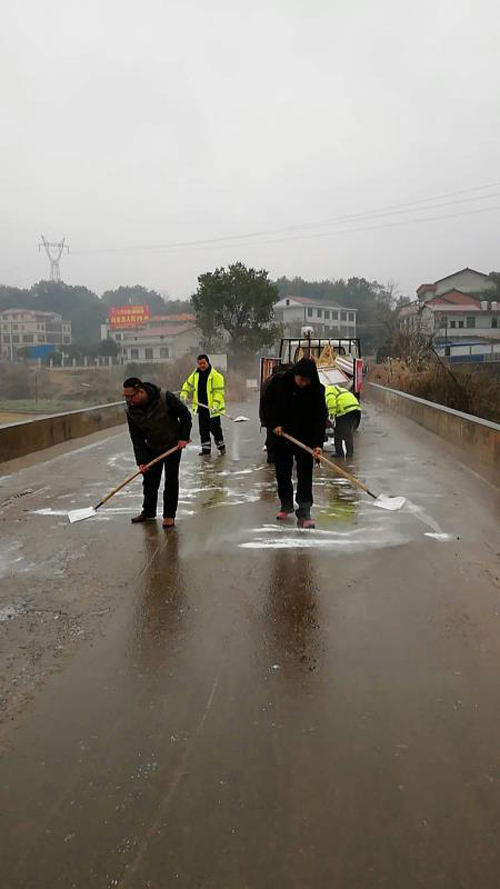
[128, 316]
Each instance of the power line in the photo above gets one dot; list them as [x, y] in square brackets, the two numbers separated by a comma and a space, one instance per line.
[410, 204]
[369, 228]
[330, 234]
[432, 206]
[415, 206]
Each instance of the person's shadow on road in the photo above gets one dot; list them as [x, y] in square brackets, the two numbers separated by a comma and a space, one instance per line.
[292, 619]
[161, 603]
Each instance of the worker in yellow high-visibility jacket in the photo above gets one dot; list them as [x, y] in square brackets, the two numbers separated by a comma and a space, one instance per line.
[205, 387]
[344, 407]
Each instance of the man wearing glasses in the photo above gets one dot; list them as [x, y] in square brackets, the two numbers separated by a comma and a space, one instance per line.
[157, 421]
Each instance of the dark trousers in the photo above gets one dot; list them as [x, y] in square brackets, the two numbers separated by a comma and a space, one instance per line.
[209, 425]
[344, 428]
[284, 453]
[151, 483]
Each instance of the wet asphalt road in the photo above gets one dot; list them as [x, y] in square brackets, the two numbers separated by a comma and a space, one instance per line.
[236, 705]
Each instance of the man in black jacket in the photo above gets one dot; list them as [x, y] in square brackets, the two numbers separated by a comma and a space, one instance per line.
[294, 402]
[157, 422]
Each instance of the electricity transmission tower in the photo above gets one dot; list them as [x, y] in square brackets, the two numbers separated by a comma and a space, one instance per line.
[54, 251]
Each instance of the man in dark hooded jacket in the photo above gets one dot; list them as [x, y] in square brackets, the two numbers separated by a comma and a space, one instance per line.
[157, 421]
[294, 402]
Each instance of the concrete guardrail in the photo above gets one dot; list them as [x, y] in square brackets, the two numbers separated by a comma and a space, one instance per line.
[475, 442]
[28, 436]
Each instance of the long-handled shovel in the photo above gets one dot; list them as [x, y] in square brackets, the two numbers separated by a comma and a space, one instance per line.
[382, 500]
[78, 515]
[227, 416]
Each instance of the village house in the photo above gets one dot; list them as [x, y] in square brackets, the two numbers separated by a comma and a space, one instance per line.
[460, 308]
[295, 312]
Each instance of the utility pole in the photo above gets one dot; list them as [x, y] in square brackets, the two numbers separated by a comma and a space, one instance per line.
[54, 251]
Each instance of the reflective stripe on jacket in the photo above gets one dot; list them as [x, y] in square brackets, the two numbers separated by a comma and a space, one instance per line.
[340, 401]
[215, 392]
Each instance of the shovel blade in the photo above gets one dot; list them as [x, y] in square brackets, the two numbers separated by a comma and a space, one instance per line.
[241, 419]
[78, 515]
[390, 503]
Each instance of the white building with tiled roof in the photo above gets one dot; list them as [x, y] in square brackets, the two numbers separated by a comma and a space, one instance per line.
[466, 281]
[295, 312]
[159, 338]
[158, 344]
[161, 343]
[451, 314]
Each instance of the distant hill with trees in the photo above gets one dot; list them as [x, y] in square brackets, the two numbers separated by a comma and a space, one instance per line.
[376, 304]
[85, 309]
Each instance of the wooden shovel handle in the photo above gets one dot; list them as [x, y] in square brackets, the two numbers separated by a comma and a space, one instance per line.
[131, 477]
[329, 463]
[221, 414]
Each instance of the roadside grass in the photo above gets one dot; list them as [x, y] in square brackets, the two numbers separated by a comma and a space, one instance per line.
[474, 391]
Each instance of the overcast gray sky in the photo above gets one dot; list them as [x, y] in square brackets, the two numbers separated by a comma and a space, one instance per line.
[128, 125]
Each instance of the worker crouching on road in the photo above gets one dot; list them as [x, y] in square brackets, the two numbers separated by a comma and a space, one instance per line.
[344, 407]
[205, 386]
[157, 421]
[294, 402]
